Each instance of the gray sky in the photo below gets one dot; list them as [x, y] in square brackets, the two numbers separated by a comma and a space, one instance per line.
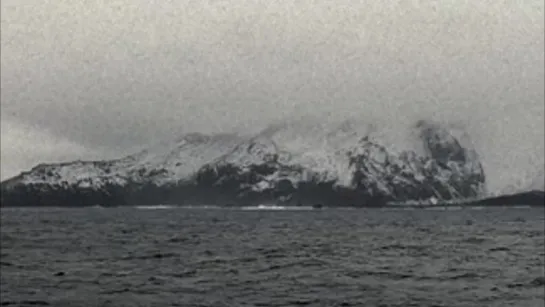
[98, 79]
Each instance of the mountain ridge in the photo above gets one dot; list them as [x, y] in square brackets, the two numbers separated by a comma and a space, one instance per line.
[350, 163]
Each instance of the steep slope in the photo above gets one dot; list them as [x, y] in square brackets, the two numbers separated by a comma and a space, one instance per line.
[445, 170]
[349, 163]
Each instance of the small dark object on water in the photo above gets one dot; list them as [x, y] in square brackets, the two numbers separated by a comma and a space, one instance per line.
[317, 206]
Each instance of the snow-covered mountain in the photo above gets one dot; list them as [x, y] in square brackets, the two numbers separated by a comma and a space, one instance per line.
[164, 163]
[292, 162]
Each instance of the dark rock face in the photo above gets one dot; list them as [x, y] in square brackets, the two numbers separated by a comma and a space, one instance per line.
[448, 171]
[260, 171]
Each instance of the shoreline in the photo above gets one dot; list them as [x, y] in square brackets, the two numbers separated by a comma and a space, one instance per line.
[523, 199]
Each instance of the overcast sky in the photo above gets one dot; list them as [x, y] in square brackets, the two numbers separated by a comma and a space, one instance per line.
[99, 79]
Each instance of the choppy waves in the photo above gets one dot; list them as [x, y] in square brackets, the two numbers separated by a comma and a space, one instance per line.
[128, 257]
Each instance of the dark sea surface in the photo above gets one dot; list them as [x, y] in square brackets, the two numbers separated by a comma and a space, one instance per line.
[219, 257]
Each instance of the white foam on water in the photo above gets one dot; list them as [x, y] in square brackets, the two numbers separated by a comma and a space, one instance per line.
[277, 208]
[204, 207]
[447, 208]
[158, 207]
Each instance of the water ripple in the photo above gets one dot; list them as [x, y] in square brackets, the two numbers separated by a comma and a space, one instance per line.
[183, 257]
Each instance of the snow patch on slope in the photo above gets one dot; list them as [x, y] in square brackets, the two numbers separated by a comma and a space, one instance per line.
[83, 174]
[323, 152]
[167, 162]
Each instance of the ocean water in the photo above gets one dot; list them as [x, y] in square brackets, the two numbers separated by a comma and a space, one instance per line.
[219, 257]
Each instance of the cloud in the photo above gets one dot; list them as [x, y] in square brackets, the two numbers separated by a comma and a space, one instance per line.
[24, 146]
[113, 76]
